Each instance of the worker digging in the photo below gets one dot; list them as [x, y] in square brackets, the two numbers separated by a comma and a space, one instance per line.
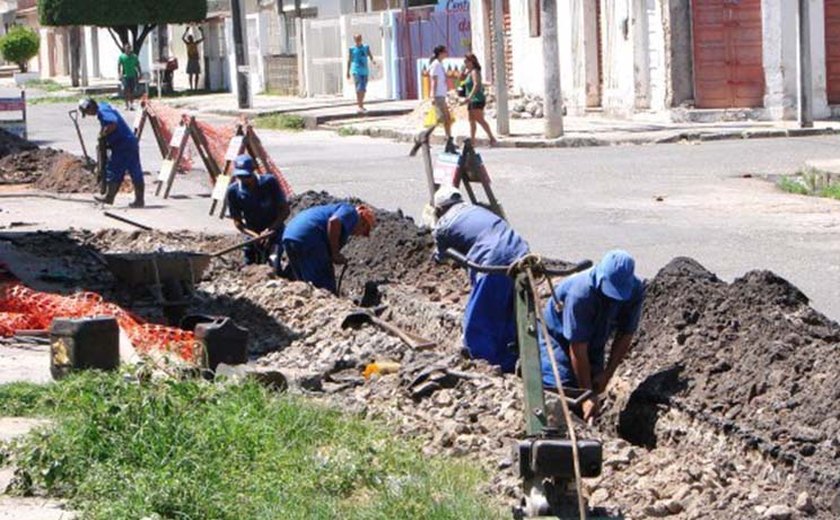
[259, 209]
[314, 238]
[674, 396]
[124, 148]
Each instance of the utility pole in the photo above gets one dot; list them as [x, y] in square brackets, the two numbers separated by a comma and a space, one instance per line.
[240, 41]
[553, 102]
[499, 72]
[806, 91]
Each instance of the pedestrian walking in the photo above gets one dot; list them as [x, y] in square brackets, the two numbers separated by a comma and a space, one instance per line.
[437, 74]
[475, 97]
[129, 70]
[193, 63]
[357, 67]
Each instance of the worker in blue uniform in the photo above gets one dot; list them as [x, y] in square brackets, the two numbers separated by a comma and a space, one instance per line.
[125, 151]
[258, 207]
[590, 308]
[485, 239]
[314, 238]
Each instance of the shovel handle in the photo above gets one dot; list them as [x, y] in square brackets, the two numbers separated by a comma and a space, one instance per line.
[243, 244]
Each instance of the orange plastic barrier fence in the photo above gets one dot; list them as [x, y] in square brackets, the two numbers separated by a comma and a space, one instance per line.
[22, 308]
[217, 138]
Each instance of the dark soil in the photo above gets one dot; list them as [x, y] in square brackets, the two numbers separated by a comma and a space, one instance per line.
[751, 359]
[730, 394]
[49, 170]
[12, 144]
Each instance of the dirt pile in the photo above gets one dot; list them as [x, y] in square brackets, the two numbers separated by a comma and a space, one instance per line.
[49, 170]
[12, 144]
[725, 409]
[750, 363]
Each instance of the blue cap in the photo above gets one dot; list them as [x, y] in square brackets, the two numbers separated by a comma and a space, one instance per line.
[615, 275]
[243, 166]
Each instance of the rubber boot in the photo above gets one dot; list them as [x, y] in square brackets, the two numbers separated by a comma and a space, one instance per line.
[110, 193]
[139, 192]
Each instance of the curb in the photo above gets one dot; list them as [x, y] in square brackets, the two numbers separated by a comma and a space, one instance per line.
[585, 142]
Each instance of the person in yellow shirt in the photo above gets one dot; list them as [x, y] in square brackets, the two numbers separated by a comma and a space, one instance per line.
[193, 61]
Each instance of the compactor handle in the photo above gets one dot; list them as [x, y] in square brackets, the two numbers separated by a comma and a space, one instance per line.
[504, 269]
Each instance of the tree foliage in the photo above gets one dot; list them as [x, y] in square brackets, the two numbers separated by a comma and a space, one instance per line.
[19, 45]
[112, 13]
[129, 21]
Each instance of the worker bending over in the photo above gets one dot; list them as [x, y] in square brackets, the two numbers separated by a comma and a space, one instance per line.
[259, 208]
[594, 305]
[125, 151]
[485, 239]
[315, 236]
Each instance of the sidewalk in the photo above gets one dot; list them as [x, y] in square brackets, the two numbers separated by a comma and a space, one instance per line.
[315, 110]
[591, 130]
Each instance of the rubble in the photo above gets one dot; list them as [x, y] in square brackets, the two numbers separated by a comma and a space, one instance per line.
[726, 408]
[23, 162]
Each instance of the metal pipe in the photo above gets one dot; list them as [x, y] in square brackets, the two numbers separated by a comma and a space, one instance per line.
[127, 221]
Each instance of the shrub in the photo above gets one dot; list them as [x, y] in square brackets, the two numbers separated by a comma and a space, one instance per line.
[19, 45]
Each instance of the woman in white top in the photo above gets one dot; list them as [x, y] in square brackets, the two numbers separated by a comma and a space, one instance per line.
[437, 74]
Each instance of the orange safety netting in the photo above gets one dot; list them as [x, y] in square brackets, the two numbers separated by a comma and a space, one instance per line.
[218, 138]
[22, 308]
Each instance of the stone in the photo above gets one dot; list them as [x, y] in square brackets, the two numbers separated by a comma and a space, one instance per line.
[805, 504]
[778, 512]
[599, 496]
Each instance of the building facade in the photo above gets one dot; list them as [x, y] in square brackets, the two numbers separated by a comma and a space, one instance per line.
[691, 59]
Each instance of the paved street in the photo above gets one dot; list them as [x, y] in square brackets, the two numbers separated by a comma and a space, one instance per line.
[569, 203]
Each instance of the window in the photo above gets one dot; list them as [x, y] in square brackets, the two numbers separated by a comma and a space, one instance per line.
[534, 18]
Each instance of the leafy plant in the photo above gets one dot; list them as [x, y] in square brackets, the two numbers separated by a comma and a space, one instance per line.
[192, 449]
[19, 45]
[280, 122]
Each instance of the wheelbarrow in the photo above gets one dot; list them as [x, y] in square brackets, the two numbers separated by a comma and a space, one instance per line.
[169, 277]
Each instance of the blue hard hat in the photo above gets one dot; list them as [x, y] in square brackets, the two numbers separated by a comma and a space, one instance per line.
[243, 166]
[615, 275]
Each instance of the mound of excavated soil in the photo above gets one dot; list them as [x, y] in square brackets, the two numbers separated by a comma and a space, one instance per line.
[12, 144]
[725, 409]
[50, 170]
[750, 360]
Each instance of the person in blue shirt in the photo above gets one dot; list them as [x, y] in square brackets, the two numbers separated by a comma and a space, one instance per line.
[314, 237]
[485, 239]
[357, 66]
[258, 207]
[125, 151]
[595, 305]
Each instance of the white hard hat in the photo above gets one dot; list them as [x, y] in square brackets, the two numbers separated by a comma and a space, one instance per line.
[446, 196]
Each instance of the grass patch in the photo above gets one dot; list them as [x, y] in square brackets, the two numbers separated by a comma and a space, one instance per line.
[279, 122]
[47, 85]
[347, 131]
[195, 450]
[811, 182]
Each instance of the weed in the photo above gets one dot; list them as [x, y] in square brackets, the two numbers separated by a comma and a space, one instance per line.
[279, 122]
[793, 185]
[192, 449]
[811, 182]
[47, 85]
[346, 131]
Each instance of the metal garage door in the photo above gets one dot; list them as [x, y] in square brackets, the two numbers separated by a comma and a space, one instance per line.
[728, 69]
[832, 50]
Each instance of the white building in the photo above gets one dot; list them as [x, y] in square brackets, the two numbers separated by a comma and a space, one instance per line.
[696, 58]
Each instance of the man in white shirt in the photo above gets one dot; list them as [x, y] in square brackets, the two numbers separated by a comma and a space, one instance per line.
[437, 74]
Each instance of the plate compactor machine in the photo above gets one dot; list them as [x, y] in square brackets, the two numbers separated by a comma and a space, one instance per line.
[551, 460]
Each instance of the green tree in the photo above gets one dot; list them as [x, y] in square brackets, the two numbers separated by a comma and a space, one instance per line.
[19, 45]
[128, 21]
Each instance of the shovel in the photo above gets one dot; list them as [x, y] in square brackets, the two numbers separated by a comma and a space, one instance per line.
[360, 317]
[74, 116]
